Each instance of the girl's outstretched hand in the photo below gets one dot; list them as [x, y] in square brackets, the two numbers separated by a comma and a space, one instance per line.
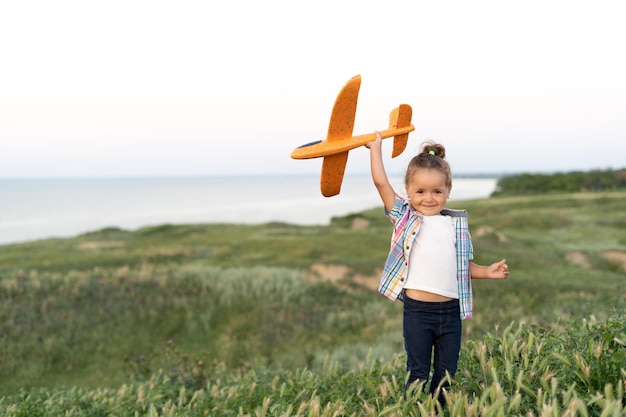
[376, 142]
[498, 270]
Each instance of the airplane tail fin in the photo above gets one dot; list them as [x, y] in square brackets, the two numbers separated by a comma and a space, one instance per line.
[400, 117]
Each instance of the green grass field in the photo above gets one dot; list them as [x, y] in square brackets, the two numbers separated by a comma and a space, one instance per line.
[278, 319]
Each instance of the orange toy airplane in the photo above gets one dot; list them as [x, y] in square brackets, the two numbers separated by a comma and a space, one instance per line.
[340, 141]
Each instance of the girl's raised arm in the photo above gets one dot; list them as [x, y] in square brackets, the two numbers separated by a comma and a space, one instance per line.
[385, 190]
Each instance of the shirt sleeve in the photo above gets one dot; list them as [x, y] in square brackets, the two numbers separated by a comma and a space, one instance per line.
[397, 211]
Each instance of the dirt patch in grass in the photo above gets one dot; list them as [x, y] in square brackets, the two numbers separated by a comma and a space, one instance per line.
[616, 257]
[342, 276]
[108, 244]
[369, 281]
[359, 223]
[578, 258]
[487, 230]
[332, 273]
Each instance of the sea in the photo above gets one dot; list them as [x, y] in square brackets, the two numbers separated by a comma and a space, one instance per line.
[34, 209]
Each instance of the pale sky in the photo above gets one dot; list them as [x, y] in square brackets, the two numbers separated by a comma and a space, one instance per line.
[160, 88]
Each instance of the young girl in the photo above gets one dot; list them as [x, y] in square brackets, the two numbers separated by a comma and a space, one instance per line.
[428, 267]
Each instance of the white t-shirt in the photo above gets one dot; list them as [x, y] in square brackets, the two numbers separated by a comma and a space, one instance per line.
[432, 258]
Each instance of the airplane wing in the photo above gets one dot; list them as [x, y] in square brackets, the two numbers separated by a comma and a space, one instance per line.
[340, 127]
[333, 167]
[344, 111]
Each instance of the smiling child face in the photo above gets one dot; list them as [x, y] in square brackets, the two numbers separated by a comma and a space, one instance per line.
[427, 191]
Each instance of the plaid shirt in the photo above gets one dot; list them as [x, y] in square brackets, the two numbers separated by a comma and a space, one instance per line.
[407, 224]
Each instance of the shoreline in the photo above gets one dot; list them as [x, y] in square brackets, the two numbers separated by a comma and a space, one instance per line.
[33, 210]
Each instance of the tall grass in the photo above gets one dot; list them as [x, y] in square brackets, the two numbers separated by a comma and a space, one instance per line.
[524, 371]
[89, 326]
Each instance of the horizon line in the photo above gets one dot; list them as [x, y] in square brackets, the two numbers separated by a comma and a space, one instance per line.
[269, 175]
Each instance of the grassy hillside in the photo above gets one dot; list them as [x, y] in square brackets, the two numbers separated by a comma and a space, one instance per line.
[170, 308]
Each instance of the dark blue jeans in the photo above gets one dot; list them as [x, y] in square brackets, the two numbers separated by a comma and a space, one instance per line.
[432, 333]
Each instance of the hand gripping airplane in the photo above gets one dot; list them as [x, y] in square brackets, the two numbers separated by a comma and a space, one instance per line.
[340, 141]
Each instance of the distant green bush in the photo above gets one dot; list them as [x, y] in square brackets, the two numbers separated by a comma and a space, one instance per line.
[570, 182]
